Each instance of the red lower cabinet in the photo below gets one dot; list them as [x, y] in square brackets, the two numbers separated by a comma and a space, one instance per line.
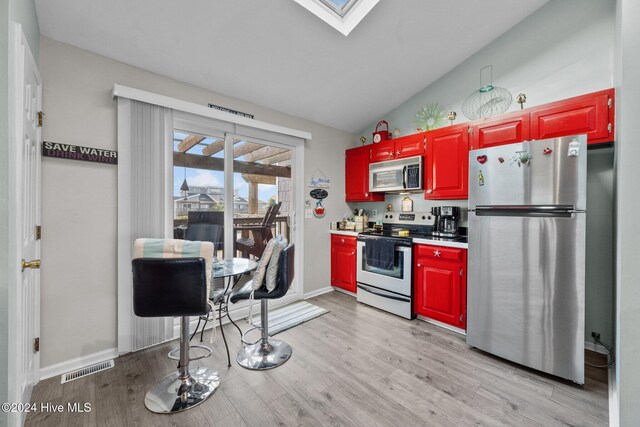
[343, 262]
[440, 284]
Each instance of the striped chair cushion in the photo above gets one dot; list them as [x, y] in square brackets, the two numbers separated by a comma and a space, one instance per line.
[174, 248]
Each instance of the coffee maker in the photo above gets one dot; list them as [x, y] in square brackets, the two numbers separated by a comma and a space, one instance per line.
[446, 221]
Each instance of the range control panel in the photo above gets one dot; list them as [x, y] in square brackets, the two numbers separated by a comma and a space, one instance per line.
[414, 218]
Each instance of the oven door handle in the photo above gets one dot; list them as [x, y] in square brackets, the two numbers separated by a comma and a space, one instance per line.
[397, 298]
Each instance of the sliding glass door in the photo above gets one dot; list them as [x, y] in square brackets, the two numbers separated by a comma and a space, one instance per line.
[232, 190]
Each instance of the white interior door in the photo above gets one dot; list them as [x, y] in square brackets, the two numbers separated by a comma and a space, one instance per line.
[24, 291]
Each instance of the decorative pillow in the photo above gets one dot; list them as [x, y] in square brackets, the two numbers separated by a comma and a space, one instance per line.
[174, 248]
[258, 276]
[272, 270]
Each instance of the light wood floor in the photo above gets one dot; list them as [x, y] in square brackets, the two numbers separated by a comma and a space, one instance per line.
[353, 366]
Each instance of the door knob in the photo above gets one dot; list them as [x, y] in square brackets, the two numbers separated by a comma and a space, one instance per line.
[35, 264]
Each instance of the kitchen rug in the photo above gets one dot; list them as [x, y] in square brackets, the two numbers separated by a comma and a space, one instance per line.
[291, 315]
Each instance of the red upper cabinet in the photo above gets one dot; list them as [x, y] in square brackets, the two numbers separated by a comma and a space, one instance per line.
[383, 151]
[406, 146]
[591, 114]
[505, 129]
[357, 176]
[446, 172]
[411, 145]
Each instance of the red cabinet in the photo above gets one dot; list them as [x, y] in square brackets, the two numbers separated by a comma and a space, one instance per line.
[406, 146]
[357, 176]
[591, 114]
[343, 262]
[502, 130]
[440, 284]
[446, 172]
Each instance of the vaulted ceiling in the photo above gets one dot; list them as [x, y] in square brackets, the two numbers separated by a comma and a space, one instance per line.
[277, 54]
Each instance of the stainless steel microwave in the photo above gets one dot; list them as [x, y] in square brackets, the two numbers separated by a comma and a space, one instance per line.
[396, 175]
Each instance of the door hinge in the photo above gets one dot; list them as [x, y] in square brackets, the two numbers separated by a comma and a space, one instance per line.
[609, 102]
[609, 127]
[470, 130]
[425, 142]
[36, 345]
[40, 117]
[461, 317]
[38, 232]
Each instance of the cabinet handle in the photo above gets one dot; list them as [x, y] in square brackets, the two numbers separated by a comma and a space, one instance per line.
[391, 154]
[429, 191]
[342, 241]
[366, 194]
[419, 265]
[436, 253]
[398, 152]
[353, 253]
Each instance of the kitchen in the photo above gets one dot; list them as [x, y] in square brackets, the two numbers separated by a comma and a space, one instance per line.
[559, 63]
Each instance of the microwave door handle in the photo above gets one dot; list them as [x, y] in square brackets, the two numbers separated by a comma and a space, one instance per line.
[404, 177]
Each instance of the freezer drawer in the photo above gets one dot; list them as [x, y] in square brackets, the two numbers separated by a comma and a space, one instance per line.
[525, 293]
[399, 305]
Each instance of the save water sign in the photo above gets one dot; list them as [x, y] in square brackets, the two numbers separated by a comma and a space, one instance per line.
[76, 152]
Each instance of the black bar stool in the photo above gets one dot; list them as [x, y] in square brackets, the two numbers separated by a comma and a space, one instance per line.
[175, 287]
[266, 353]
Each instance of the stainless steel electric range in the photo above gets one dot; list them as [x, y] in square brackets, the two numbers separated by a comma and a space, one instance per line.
[391, 288]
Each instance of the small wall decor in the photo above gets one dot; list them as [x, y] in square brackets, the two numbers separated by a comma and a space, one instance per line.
[76, 152]
[452, 116]
[407, 204]
[319, 179]
[431, 116]
[319, 194]
[363, 140]
[521, 99]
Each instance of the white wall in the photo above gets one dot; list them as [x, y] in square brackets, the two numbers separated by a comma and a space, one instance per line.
[563, 49]
[79, 198]
[627, 389]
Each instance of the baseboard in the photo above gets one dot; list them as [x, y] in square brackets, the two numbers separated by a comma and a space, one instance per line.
[443, 325]
[318, 292]
[77, 363]
[588, 345]
[342, 291]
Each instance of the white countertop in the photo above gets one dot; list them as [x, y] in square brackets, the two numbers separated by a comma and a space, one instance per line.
[417, 241]
[344, 233]
[441, 243]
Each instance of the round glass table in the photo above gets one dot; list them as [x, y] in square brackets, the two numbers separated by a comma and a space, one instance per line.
[231, 269]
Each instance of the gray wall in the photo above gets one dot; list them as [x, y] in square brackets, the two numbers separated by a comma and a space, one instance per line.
[627, 375]
[79, 244]
[23, 12]
[563, 49]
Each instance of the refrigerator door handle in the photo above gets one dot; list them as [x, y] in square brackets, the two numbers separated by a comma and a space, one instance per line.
[544, 208]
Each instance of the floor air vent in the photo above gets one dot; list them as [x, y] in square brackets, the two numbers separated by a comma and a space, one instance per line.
[98, 367]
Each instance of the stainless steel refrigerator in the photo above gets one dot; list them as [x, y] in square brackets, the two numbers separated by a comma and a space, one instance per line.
[526, 276]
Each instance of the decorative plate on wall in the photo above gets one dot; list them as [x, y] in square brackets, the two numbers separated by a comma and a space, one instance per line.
[431, 116]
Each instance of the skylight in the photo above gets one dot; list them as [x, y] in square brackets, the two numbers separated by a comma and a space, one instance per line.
[343, 15]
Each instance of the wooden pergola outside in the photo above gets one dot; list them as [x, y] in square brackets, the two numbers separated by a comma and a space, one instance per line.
[257, 163]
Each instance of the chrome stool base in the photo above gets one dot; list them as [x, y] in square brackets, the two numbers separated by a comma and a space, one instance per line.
[261, 356]
[173, 395]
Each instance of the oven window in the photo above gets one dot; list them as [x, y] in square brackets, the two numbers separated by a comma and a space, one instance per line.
[396, 273]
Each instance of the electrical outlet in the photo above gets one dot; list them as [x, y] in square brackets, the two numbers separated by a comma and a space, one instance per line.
[595, 335]
[308, 213]
[374, 213]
